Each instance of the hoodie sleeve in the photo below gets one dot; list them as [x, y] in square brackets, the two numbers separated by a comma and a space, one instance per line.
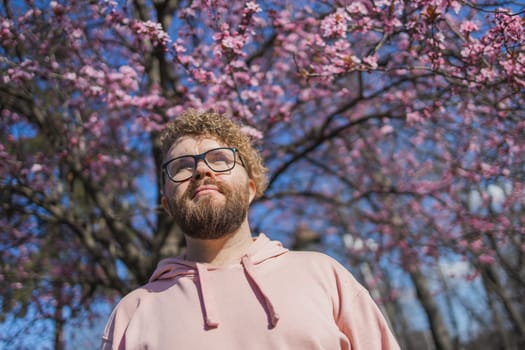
[113, 337]
[359, 317]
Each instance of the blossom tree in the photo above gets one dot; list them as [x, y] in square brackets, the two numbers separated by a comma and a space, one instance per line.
[400, 123]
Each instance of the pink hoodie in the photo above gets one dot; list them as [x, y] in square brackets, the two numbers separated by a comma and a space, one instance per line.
[271, 299]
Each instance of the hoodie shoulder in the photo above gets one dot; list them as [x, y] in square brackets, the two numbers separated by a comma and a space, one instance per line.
[120, 317]
[132, 300]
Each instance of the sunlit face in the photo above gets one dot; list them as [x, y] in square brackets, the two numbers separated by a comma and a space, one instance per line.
[210, 204]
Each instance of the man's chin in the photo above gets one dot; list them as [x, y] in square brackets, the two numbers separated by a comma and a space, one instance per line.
[206, 236]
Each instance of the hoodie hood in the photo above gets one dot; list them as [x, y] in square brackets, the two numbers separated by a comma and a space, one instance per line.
[261, 250]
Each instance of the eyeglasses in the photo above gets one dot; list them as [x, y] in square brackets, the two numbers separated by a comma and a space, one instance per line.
[219, 160]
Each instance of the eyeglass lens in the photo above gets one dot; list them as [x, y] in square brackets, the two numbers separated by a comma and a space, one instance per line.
[218, 160]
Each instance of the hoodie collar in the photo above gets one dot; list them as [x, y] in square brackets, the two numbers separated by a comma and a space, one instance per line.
[261, 250]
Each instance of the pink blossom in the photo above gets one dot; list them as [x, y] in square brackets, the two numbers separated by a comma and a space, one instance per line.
[249, 95]
[6, 34]
[252, 132]
[35, 168]
[387, 129]
[152, 31]
[488, 74]
[382, 3]
[148, 102]
[253, 7]
[371, 61]
[511, 25]
[229, 42]
[414, 117]
[472, 276]
[92, 72]
[202, 75]
[234, 42]
[463, 243]
[335, 24]
[486, 259]
[476, 245]
[357, 7]
[179, 46]
[174, 111]
[467, 27]
[456, 6]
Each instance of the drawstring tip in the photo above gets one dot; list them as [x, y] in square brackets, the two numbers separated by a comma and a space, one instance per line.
[209, 324]
[274, 320]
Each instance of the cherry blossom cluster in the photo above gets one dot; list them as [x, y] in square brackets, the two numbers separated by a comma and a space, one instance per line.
[153, 31]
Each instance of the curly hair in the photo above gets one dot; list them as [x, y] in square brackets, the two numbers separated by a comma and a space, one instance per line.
[217, 126]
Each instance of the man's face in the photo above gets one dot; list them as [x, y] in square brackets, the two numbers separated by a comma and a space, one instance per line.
[210, 204]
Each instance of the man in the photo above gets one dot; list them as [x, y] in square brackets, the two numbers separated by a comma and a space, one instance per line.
[229, 290]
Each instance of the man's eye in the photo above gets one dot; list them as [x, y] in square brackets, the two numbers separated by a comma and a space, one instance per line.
[181, 165]
[218, 157]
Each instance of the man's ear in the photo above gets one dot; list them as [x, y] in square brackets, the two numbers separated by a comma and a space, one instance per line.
[165, 205]
[252, 188]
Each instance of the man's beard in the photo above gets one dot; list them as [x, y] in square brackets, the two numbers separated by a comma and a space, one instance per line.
[207, 219]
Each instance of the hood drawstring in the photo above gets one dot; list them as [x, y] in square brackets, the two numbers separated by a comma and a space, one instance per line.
[248, 267]
[261, 250]
[208, 301]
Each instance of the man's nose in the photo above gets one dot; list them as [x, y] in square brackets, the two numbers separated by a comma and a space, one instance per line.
[201, 169]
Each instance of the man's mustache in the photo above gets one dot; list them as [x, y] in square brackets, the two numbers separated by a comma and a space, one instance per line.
[194, 185]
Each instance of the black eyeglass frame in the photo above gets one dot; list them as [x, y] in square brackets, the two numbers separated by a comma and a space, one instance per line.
[202, 157]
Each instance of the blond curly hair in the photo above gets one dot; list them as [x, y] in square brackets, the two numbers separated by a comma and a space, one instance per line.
[223, 129]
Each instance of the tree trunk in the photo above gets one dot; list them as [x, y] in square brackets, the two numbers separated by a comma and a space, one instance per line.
[450, 307]
[59, 318]
[493, 284]
[394, 310]
[438, 327]
[504, 342]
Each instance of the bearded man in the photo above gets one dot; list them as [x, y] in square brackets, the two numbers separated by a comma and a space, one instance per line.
[231, 290]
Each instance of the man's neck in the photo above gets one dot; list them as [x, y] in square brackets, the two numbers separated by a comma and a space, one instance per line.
[220, 251]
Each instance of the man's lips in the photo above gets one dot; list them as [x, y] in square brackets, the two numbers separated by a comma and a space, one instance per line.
[204, 189]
